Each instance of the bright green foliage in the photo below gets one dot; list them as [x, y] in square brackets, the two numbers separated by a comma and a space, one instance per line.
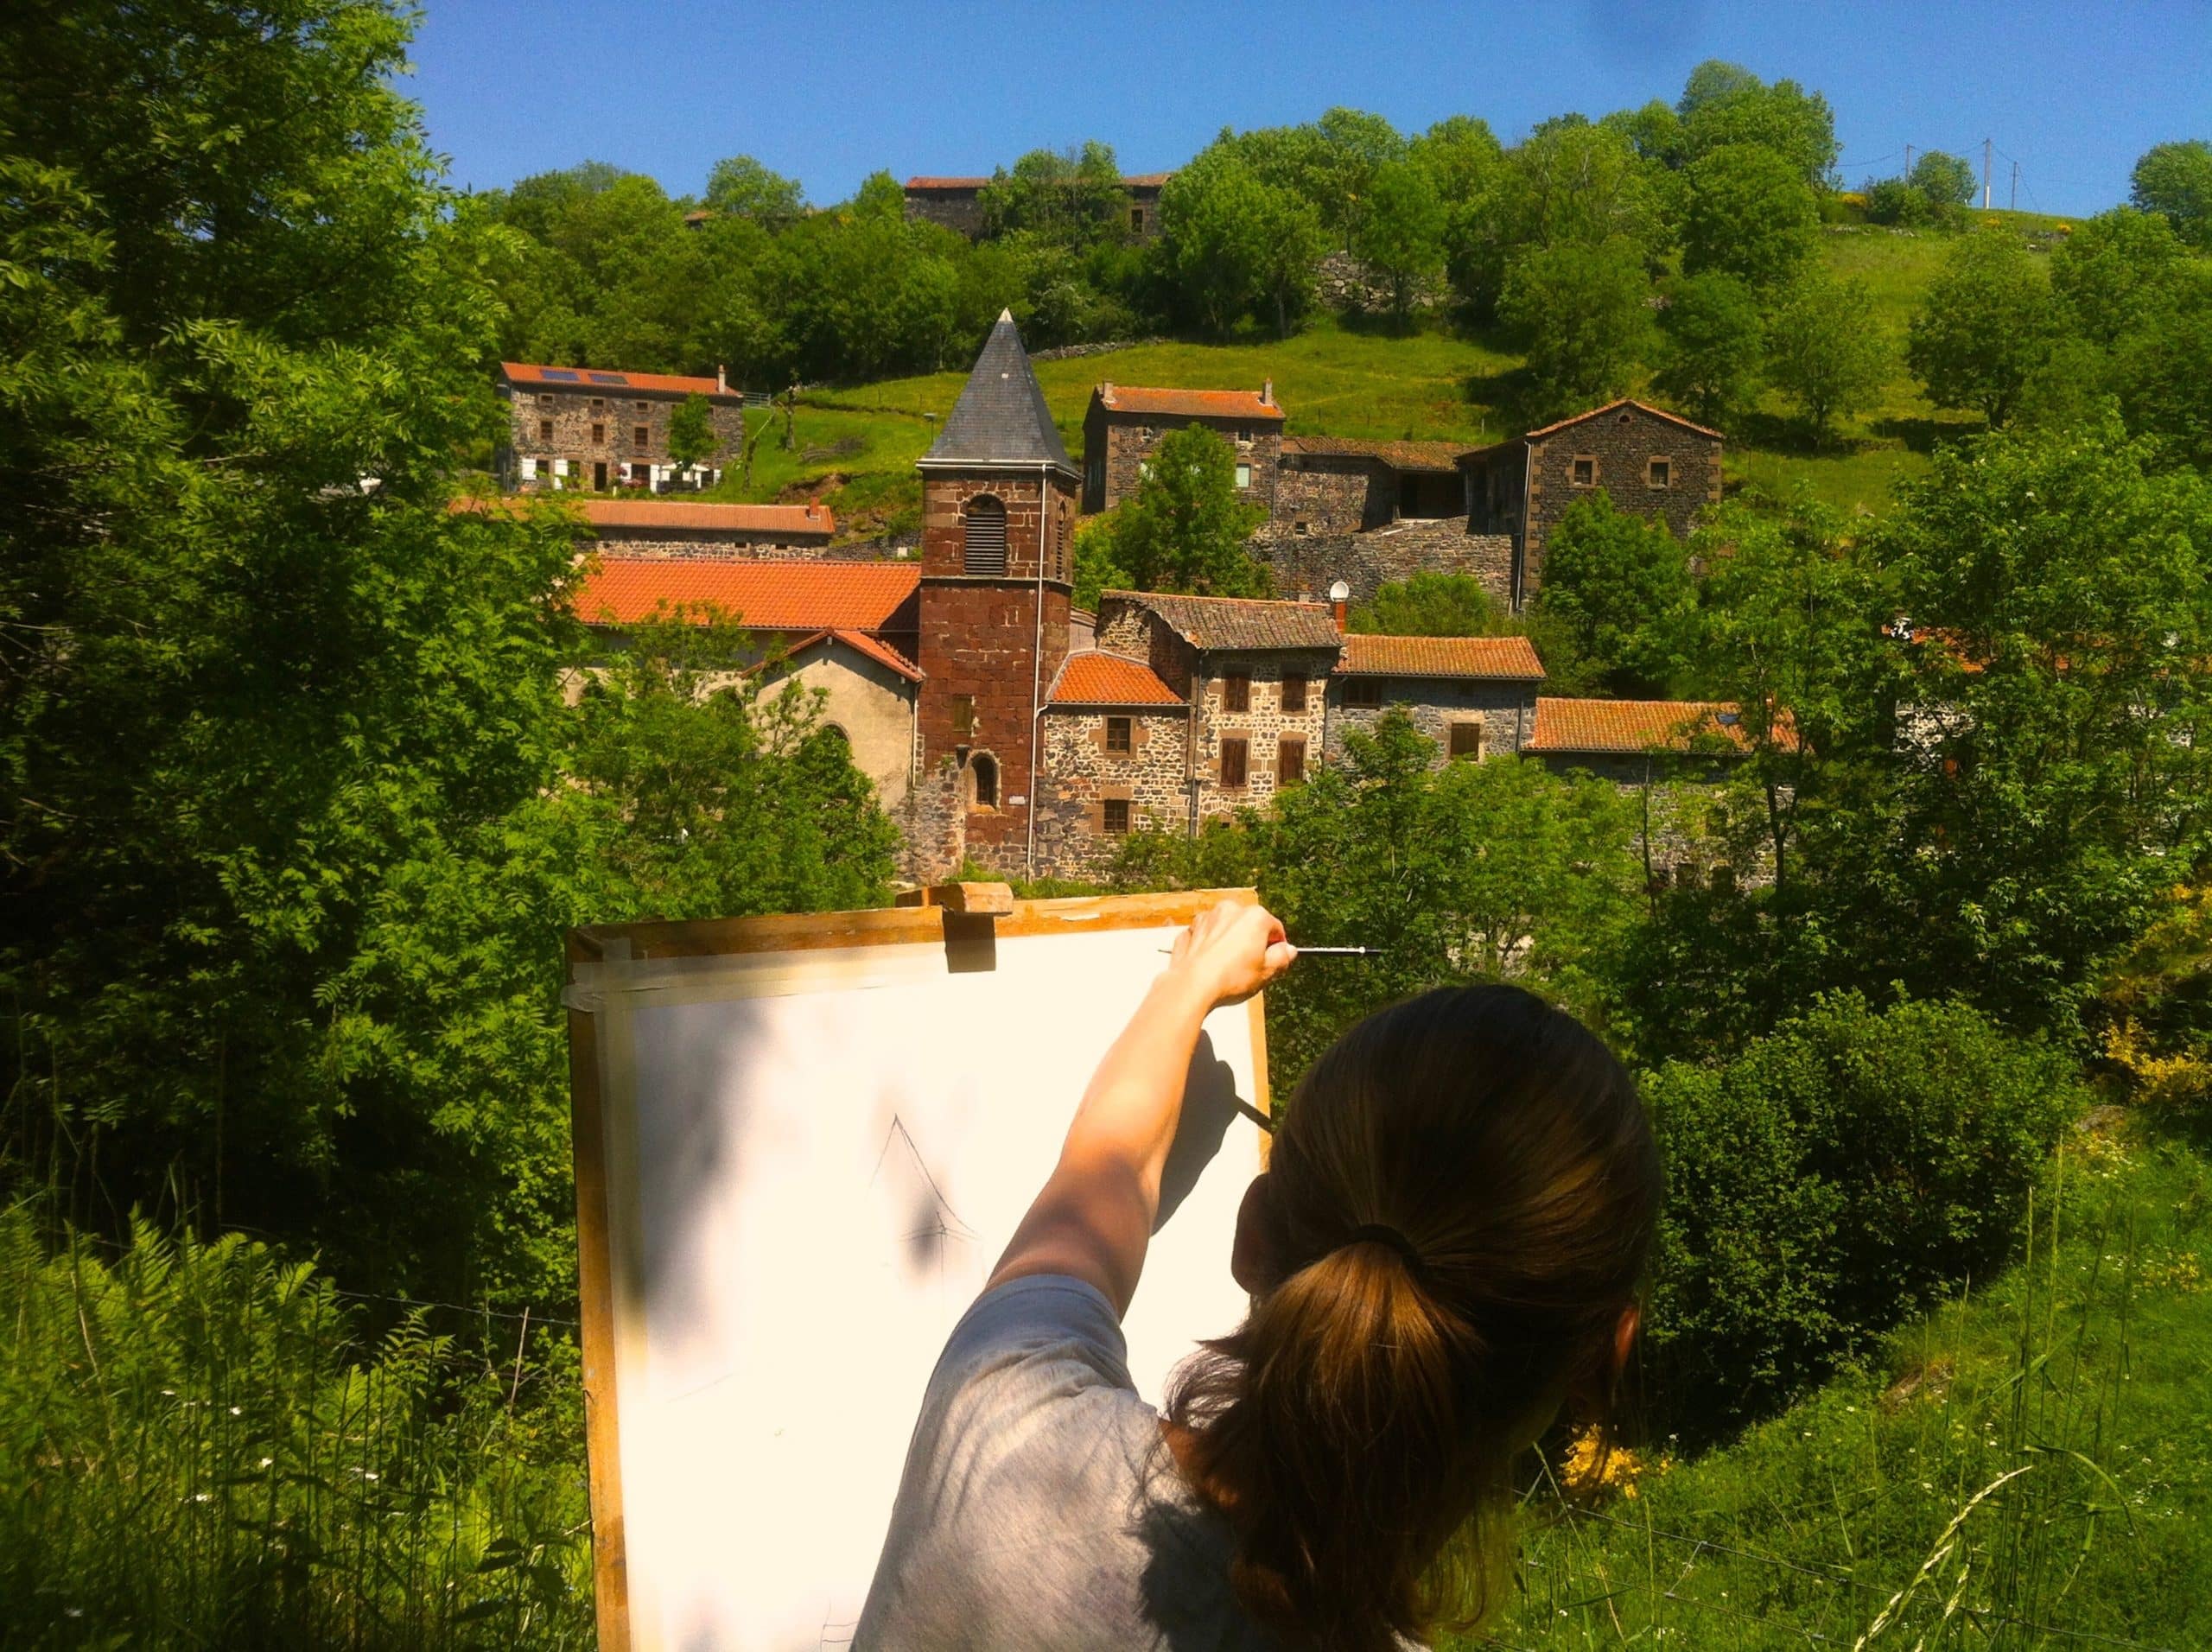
[1349, 149]
[1723, 103]
[1461, 153]
[1618, 585]
[1942, 180]
[1185, 529]
[1570, 184]
[200, 1445]
[2109, 274]
[740, 187]
[1844, 1172]
[2175, 180]
[1983, 328]
[1824, 351]
[1095, 570]
[2064, 782]
[1401, 231]
[1430, 603]
[1748, 213]
[1073, 199]
[691, 433]
[1232, 243]
[1713, 342]
[2161, 366]
[1582, 310]
[2153, 1014]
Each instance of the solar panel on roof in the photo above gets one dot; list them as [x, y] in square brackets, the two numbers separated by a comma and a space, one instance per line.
[561, 374]
[606, 378]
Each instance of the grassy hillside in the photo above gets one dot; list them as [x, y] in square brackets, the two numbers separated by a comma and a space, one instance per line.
[2035, 1455]
[857, 446]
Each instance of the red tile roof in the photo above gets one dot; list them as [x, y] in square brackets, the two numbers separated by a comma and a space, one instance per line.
[1626, 401]
[764, 596]
[1399, 456]
[1626, 726]
[860, 643]
[1237, 622]
[1187, 404]
[520, 372]
[1095, 678]
[1511, 657]
[786, 521]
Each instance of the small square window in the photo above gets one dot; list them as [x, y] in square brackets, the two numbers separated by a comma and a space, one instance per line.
[1117, 734]
[643, 407]
[1235, 756]
[1243, 476]
[1237, 691]
[598, 404]
[1365, 692]
[1114, 814]
[1293, 692]
[544, 399]
[1290, 762]
[642, 436]
[1467, 740]
[1243, 435]
[1582, 471]
[1659, 472]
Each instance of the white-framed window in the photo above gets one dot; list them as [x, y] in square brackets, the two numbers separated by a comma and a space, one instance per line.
[1243, 476]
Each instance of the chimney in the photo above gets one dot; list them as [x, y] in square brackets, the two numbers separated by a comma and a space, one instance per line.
[1106, 392]
[721, 379]
[1267, 391]
[1341, 609]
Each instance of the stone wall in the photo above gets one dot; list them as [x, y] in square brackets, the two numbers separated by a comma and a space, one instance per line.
[1622, 444]
[1262, 725]
[708, 545]
[614, 413]
[1116, 445]
[1332, 493]
[932, 826]
[1132, 630]
[958, 209]
[1081, 775]
[1506, 710]
[1307, 564]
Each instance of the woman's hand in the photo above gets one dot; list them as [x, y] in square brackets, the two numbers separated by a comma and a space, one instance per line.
[1232, 952]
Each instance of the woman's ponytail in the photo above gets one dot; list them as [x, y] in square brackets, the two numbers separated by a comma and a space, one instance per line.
[1457, 1210]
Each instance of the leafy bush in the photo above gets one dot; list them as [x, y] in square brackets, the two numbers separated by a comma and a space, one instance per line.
[1839, 1175]
[196, 1449]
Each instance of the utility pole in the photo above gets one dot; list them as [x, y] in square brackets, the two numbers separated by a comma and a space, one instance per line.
[2016, 185]
[1985, 175]
[1908, 163]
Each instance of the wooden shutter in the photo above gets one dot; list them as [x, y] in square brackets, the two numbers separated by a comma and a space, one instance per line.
[983, 545]
[1290, 762]
[1467, 740]
[1293, 694]
[1233, 762]
[1237, 691]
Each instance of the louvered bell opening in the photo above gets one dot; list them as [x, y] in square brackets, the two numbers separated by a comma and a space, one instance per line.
[984, 549]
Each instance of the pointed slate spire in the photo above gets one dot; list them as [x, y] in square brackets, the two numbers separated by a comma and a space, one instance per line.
[1001, 418]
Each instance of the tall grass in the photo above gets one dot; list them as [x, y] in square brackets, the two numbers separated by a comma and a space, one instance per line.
[197, 1448]
[2028, 1468]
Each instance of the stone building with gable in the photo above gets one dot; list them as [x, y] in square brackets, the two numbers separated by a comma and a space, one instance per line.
[1649, 461]
[1125, 422]
[582, 428]
[956, 203]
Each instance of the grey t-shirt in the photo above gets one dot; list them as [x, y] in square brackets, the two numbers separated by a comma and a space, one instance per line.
[1040, 1509]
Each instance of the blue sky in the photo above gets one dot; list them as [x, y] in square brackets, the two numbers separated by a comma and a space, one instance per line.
[829, 90]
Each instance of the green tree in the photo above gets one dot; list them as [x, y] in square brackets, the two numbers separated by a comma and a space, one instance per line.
[2112, 271]
[2062, 772]
[1583, 311]
[1618, 585]
[1712, 345]
[1400, 231]
[2161, 365]
[1185, 530]
[740, 187]
[1823, 352]
[691, 433]
[1570, 184]
[1231, 242]
[1724, 103]
[1942, 180]
[2175, 181]
[1461, 153]
[1349, 149]
[1095, 567]
[1072, 199]
[1747, 212]
[1430, 603]
[1983, 327]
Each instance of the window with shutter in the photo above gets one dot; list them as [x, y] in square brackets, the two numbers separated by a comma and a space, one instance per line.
[545, 430]
[1237, 691]
[1293, 693]
[1290, 762]
[1365, 692]
[963, 715]
[1467, 740]
[1234, 754]
[982, 547]
[642, 436]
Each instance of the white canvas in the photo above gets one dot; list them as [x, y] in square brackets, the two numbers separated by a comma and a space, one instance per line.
[814, 1160]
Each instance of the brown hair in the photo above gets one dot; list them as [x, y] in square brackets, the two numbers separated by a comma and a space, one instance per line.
[1459, 1206]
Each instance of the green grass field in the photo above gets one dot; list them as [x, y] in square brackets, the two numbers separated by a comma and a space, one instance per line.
[2031, 1467]
[856, 446]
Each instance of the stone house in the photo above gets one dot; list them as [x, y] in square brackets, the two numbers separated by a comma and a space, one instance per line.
[1654, 463]
[1345, 485]
[1116, 750]
[1124, 423]
[579, 428]
[956, 204]
[678, 528]
[1475, 696]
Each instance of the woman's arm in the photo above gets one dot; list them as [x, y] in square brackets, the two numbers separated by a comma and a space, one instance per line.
[1094, 1218]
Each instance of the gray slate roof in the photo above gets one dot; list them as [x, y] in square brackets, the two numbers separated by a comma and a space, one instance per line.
[1235, 622]
[1001, 418]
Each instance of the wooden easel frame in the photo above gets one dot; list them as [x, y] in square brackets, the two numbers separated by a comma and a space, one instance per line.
[734, 937]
